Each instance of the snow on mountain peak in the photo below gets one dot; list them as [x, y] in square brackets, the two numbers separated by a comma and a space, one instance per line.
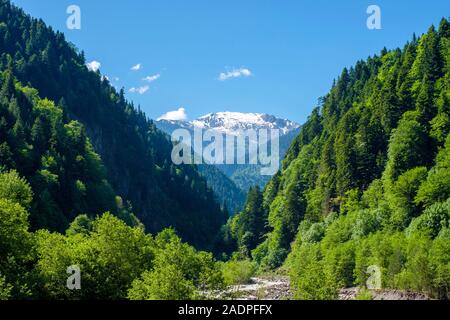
[232, 122]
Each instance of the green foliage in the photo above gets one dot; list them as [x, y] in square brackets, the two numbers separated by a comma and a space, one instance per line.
[58, 156]
[16, 251]
[179, 272]
[437, 186]
[366, 182]
[310, 279]
[226, 191]
[5, 289]
[364, 295]
[110, 257]
[238, 272]
[432, 221]
[81, 225]
[408, 149]
[15, 188]
[401, 195]
[439, 263]
[14, 235]
[168, 283]
[311, 233]
[249, 226]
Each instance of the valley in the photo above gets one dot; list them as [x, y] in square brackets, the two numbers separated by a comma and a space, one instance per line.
[94, 207]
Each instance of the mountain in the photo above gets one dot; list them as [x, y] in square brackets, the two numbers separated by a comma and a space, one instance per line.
[59, 120]
[231, 123]
[363, 198]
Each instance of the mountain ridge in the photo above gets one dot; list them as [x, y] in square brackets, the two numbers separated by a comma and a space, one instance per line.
[135, 153]
[232, 123]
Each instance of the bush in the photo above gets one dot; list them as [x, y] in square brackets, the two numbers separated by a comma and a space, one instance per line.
[310, 280]
[364, 295]
[416, 273]
[237, 272]
[339, 262]
[401, 197]
[432, 220]
[260, 253]
[275, 259]
[5, 289]
[167, 283]
[110, 257]
[15, 189]
[440, 265]
[314, 234]
[179, 273]
[367, 222]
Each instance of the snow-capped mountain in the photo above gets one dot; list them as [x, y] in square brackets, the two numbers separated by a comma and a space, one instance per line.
[244, 176]
[232, 122]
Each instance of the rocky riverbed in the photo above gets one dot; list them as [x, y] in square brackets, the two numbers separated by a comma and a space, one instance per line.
[278, 288]
[263, 288]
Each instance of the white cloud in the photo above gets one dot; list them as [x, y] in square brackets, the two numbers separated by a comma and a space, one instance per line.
[235, 73]
[178, 115]
[136, 67]
[93, 66]
[140, 90]
[152, 78]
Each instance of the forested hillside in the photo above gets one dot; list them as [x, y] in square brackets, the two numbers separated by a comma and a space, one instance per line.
[41, 143]
[227, 193]
[87, 182]
[367, 181]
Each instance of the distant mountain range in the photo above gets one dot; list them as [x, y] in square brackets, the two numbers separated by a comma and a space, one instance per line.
[232, 123]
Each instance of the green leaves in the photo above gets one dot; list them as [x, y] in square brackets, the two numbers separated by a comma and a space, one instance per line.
[408, 148]
[371, 167]
[179, 272]
[15, 239]
[5, 289]
[109, 254]
[15, 189]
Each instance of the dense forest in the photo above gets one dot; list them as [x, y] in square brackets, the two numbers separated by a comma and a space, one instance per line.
[366, 183]
[77, 162]
[66, 175]
[86, 180]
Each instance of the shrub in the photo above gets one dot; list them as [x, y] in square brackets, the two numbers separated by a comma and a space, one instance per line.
[432, 220]
[310, 280]
[167, 283]
[5, 289]
[15, 189]
[440, 265]
[179, 273]
[364, 294]
[367, 222]
[314, 234]
[237, 272]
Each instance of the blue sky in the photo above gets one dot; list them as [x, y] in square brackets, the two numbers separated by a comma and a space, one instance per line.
[285, 53]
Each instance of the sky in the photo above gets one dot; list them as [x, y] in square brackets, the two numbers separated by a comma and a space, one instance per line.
[189, 58]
